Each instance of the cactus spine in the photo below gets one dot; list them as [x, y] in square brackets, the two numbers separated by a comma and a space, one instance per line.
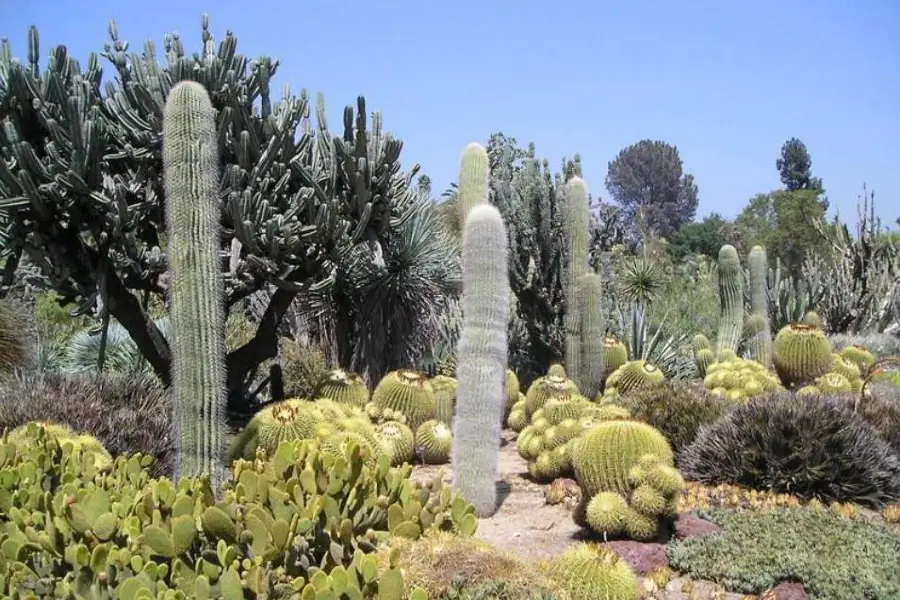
[191, 170]
[593, 330]
[577, 223]
[760, 342]
[731, 300]
[474, 179]
[481, 370]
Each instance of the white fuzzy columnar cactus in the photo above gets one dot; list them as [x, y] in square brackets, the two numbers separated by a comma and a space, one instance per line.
[191, 174]
[481, 367]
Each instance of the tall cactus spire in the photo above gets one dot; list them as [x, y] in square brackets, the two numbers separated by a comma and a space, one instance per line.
[731, 300]
[757, 326]
[577, 224]
[474, 179]
[593, 330]
[191, 171]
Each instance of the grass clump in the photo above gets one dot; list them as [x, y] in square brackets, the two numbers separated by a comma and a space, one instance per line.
[834, 557]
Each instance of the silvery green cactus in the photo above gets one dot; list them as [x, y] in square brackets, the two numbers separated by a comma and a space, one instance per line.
[482, 358]
[193, 212]
[577, 224]
[731, 300]
[759, 332]
[474, 179]
[593, 330]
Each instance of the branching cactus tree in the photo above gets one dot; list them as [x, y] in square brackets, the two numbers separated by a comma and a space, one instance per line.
[193, 213]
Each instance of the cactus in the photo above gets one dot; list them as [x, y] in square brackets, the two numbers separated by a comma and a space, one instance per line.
[444, 388]
[434, 441]
[801, 353]
[481, 391]
[812, 318]
[557, 370]
[633, 375]
[860, 356]
[344, 387]
[833, 383]
[615, 354]
[577, 225]
[758, 328]
[544, 388]
[591, 572]
[474, 179]
[407, 392]
[512, 389]
[593, 329]
[193, 212]
[517, 419]
[397, 441]
[731, 300]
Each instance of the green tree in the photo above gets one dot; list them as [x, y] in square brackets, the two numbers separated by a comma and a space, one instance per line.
[81, 194]
[795, 167]
[704, 237]
[647, 180]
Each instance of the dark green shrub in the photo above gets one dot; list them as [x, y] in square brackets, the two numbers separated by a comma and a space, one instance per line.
[676, 408]
[834, 557]
[303, 367]
[128, 413]
[809, 446]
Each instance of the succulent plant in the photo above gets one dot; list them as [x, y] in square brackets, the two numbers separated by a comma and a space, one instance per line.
[434, 441]
[632, 376]
[590, 572]
[407, 392]
[546, 387]
[397, 441]
[344, 387]
[801, 353]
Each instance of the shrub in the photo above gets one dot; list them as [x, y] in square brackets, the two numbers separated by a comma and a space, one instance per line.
[127, 413]
[834, 557]
[810, 446]
[676, 408]
[303, 367]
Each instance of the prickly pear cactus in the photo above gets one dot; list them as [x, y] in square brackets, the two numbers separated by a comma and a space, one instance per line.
[481, 372]
[197, 312]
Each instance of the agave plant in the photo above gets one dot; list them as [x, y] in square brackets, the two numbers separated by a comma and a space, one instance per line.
[82, 354]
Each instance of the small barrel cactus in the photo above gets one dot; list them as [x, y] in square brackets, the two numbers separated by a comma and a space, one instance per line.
[801, 353]
[344, 387]
[434, 441]
[592, 572]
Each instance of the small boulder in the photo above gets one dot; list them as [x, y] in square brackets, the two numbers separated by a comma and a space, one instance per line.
[690, 525]
[643, 557]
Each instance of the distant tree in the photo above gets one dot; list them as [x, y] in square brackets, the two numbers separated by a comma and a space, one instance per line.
[795, 167]
[703, 237]
[648, 182]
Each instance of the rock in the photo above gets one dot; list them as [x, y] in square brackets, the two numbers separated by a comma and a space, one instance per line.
[786, 591]
[562, 490]
[643, 557]
[689, 525]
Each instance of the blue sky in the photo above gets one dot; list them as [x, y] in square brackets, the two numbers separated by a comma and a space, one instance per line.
[726, 83]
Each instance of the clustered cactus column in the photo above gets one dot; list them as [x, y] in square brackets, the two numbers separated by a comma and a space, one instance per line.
[731, 300]
[593, 331]
[577, 223]
[191, 171]
[482, 358]
[474, 179]
[758, 330]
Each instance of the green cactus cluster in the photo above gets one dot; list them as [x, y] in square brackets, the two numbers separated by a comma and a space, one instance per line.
[615, 354]
[740, 379]
[344, 387]
[444, 388]
[588, 571]
[631, 376]
[655, 490]
[552, 385]
[303, 523]
[407, 392]
[801, 354]
[860, 356]
[844, 376]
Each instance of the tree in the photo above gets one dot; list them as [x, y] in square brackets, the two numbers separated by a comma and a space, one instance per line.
[795, 167]
[648, 183]
[81, 192]
[705, 237]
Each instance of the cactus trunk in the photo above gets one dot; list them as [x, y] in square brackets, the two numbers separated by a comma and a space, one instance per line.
[731, 300]
[481, 370]
[474, 179]
[760, 342]
[593, 330]
[191, 171]
[577, 223]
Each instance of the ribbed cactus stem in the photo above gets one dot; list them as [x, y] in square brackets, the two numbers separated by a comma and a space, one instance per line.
[593, 329]
[481, 368]
[474, 178]
[759, 342]
[577, 223]
[731, 300]
[191, 172]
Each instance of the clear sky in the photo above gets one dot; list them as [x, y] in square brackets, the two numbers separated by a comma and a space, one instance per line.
[727, 82]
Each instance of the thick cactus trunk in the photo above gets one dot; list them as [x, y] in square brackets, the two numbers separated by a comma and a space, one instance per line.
[474, 179]
[731, 300]
[593, 330]
[577, 223]
[482, 358]
[191, 171]
[760, 334]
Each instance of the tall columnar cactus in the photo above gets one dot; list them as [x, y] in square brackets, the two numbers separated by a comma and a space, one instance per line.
[760, 342]
[191, 172]
[481, 371]
[593, 330]
[731, 300]
[474, 179]
[577, 223]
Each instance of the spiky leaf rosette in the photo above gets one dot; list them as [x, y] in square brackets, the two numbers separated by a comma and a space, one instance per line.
[604, 455]
[632, 376]
[444, 398]
[408, 392]
[397, 441]
[592, 572]
[292, 419]
[860, 356]
[344, 387]
[546, 387]
[801, 353]
[434, 441]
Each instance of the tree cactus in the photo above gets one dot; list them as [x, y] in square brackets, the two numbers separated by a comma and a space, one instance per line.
[731, 300]
[193, 213]
[577, 223]
[481, 373]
